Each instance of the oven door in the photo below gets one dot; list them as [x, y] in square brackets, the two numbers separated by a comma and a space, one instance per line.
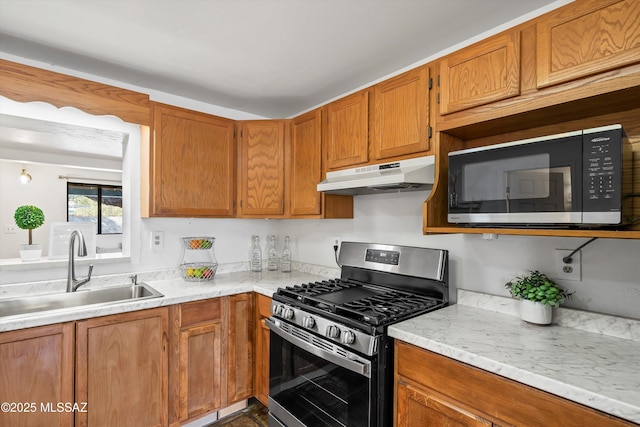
[313, 382]
[525, 182]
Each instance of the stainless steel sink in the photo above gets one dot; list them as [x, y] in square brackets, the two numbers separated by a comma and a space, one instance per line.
[69, 301]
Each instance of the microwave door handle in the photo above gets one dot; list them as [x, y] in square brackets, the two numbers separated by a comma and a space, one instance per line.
[357, 364]
[507, 192]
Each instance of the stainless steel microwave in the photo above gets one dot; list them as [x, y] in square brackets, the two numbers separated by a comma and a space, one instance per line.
[580, 178]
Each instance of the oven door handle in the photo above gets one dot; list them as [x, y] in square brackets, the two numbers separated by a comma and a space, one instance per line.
[354, 363]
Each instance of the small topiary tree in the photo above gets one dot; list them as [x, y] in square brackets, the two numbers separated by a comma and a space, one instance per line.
[28, 218]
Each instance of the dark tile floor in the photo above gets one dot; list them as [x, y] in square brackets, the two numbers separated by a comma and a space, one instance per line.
[254, 415]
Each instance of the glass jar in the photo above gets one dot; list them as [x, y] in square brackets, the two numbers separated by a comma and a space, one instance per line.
[272, 254]
[198, 261]
[285, 258]
[255, 257]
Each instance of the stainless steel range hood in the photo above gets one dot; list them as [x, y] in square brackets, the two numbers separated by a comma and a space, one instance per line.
[405, 175]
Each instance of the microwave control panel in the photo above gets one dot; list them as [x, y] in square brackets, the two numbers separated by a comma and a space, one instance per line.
[602, 165]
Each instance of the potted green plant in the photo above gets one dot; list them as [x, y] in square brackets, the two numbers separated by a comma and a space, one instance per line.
[29, 217]
[538, 295]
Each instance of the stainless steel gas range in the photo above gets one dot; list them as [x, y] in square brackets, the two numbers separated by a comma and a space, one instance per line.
[331, 360]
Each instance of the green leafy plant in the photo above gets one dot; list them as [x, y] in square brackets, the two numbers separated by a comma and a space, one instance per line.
[538, 287]
[28, 218]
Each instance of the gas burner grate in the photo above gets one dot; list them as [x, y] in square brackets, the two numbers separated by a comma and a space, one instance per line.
[319, 288]
[383, 308]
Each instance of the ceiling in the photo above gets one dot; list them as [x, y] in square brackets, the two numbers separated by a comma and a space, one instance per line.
[272, 58]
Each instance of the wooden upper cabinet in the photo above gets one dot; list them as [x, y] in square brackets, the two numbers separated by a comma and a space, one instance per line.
[191, 164]
[347, 131]
[587, 37]
[306, 164]
[36, 365]
[401, 115]
[263, 167]
[484, 72]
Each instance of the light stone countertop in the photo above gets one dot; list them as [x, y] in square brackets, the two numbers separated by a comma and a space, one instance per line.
[596, 370]
[175, 291]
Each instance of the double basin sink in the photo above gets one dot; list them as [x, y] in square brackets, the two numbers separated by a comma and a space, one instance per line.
[72, 301]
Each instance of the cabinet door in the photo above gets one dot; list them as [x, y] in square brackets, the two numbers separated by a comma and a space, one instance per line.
[262, 168]
[485, 72]
[261, 373]
[195, 361]
[36, 368]
[401, 115]
[347, 131]
[587, 37]
[306, 164]
[200, 353]
[121, 369]
[418, 407]
[240, 348]
[192, 161]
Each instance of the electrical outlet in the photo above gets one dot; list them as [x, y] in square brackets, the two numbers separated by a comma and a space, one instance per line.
[568, 271]
[10, 229]
[157, 241]
[336, 240]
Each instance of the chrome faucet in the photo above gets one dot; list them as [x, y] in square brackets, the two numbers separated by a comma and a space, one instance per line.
[72, 283]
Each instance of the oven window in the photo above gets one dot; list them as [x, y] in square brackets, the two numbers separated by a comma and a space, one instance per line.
[315, 391]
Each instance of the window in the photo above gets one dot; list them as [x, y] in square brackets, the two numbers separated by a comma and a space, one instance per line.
[100, 204]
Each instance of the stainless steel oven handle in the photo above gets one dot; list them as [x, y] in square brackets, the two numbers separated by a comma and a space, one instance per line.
[355, 364]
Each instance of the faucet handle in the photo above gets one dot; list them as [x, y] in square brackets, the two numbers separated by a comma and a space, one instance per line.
[90, 271]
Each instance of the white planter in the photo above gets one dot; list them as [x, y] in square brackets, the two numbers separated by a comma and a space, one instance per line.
[30, 252]
[535, 312]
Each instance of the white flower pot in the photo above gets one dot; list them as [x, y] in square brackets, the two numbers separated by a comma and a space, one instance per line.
[30, 252]
[535, 312]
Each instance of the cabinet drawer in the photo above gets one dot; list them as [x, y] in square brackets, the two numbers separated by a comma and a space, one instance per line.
[196, 312]
[263, 304]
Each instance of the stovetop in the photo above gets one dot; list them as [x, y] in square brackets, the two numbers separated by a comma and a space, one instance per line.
[362, 303]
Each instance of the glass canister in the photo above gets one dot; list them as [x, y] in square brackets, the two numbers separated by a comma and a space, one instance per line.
[255, 257]
[198, 261]
[272, 254]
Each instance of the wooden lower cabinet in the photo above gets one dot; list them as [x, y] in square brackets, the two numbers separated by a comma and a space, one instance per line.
[36, 369]
[121, 369]
[211, 362]
[261, 365]
[195, 361]
[433, 390]
[239, 347]
[156, 367]
[418, 407]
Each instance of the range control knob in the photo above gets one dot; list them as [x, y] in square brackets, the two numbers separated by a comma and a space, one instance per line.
[308, 322]
[348, 337]
[287, 313]
[332, 331]
[277, 310]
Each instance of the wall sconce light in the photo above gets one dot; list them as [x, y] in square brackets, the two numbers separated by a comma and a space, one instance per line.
[24, 177]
